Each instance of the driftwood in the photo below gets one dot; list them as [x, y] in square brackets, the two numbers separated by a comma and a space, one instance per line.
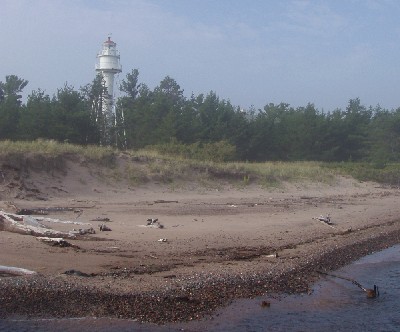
[104, 228]
[55, 242]
[32, 211]
[164, 201]
[325, 220]
[29, 225]
[153, 222]
[52, 220]
[45, 211]
[78, 273]
[101, 219]
[265, 304]
[15, 271]
[371, 293]
[83, 231]
[275, 255]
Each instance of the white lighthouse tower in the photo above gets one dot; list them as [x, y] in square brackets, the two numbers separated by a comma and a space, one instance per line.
[108, 65]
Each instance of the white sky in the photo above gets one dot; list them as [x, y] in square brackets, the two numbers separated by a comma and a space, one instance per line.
[251, 52]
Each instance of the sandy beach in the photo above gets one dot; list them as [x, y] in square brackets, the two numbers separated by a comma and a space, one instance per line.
[178, 252]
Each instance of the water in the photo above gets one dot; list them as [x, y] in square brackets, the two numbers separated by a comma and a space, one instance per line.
[335, 305]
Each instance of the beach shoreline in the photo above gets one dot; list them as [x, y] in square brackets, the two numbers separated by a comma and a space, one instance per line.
[217, 245]
[39, 296]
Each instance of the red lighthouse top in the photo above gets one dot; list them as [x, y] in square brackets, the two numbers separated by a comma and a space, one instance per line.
[109, 42]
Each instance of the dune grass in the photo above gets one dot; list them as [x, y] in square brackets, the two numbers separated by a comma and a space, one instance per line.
[54, 148]
[268, 173]
[151, 164]
[387, 174]
[274, 173]
[242, 173]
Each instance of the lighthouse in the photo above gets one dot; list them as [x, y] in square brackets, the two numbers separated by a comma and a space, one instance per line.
[108, 65]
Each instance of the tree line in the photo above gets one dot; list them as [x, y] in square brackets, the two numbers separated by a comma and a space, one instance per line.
[162, 116]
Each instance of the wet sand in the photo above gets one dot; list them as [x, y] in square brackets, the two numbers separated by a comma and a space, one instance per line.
[220, 244]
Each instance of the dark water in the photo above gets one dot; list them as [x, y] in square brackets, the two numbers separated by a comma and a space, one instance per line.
[335, 305]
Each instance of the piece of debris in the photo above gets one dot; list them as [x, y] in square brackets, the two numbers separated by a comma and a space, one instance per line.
[101, 219]
[55, 242]
[44, 211]
[265, 304]
[104, 228]
[22, 225]
[53, 220]
[31, 221]
[164, 201]
[371, 293]
[11, 205]
[153, 223]
[163, 240]
[347, 231]
[78, 213]
[325, 220]
[32, 211]
[275, 255]
[14, 271]
[83, 231]
[28, 225]
[78, 273]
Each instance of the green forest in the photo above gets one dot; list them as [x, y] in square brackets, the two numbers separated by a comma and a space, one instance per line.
[164, 118]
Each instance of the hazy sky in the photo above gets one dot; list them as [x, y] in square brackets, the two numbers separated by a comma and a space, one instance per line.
[247, 51]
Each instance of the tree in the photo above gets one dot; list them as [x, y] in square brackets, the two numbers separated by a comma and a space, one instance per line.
[95, 95]
[1, 94]
[356, 120]
[167, 105]
[126, 105]
[71, 117]
[188, 126]
[171, 90]
[280, 135]
[136, 116]
[305, 133]
[384, 136]
[12, 88]
[151, 118]
[130, 85]
[10, 105]
[36, 119]
[208, 115]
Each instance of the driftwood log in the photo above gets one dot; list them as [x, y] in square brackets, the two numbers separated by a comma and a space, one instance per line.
[325, 220]
[371, 293]
[47, 210]
[14, 271]
[29, 225]
[55, 242]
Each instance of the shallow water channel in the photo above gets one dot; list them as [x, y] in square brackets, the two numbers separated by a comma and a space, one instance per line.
[334, 305]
